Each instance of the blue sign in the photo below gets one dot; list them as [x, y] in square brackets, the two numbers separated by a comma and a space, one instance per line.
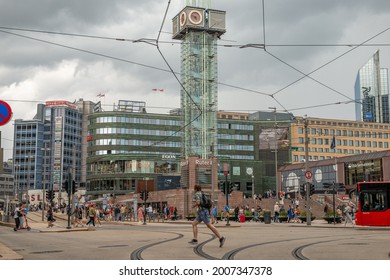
[5, 112]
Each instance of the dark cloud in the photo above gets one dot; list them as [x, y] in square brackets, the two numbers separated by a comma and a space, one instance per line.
[35, 70]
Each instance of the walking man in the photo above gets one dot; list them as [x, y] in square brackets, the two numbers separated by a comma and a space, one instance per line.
[203, 215]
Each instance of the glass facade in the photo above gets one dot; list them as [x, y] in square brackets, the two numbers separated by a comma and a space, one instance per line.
[372, 89]
[47, 148]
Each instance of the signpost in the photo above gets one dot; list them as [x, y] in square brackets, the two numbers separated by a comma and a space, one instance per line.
[5, 112]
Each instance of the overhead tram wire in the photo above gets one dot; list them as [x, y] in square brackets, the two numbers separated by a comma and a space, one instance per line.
[165, 70]
[120, 59]
[326, 64]
[176, 43]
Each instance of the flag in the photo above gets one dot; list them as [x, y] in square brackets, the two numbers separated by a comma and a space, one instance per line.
[333, 143]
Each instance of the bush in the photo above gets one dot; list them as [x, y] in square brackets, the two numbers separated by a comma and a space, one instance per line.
[247, 213]
[331, 215]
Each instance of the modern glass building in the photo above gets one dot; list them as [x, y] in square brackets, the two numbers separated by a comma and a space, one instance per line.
[199, 29]
[372, 92]
[48, 148]
[131, 150]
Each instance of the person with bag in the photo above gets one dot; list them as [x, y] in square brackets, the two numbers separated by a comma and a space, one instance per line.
[203, 215]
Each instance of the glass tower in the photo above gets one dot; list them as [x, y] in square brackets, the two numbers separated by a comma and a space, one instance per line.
[372, 92]
[199, 29]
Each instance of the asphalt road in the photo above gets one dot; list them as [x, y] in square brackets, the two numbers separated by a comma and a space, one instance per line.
[166, 241]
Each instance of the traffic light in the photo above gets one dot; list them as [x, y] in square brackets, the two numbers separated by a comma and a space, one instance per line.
[312, 189]
[142, 195]
[74, 188]
[146, 195]
[222, 186]
[49, 195]
[302, 189]
[66, 186]
[230, 190]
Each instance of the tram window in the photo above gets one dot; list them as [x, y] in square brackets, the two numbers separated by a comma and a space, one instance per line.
[373, 201]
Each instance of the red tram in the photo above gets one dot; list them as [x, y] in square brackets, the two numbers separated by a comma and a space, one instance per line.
[373, 204]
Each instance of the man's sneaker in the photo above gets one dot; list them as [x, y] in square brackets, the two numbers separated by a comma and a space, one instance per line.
[193, 242]
[222, 241]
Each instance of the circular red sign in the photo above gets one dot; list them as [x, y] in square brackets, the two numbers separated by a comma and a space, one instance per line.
[308, 175]
[5, 112]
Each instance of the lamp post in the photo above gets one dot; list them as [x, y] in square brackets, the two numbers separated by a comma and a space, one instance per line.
[44, 181]
[276, 152]
[253, 186]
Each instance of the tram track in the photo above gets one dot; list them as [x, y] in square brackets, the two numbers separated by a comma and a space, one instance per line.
[137, 253]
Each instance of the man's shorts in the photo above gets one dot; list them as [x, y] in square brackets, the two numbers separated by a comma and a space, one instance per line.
[203, 216]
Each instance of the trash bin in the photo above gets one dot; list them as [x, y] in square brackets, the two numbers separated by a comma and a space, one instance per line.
[267, 217]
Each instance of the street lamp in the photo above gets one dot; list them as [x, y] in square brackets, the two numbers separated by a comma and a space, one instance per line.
[276, 152]
[253, 186]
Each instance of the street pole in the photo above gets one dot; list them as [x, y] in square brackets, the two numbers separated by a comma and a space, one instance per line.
[308, 214]
[334, 203]
[144, 223]
[227, 200]
[276, 153]
[69, 193]
[44, 182]
[253, 186]
[212, 173]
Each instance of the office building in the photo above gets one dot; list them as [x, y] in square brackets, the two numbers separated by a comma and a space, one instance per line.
[48, 148]
[372, 92]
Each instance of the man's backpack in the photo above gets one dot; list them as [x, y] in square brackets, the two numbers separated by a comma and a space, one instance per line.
[205, 201]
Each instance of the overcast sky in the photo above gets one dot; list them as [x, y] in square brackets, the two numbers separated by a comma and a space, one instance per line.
[300, 37]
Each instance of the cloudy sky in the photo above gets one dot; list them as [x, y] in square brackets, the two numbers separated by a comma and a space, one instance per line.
[320, 38]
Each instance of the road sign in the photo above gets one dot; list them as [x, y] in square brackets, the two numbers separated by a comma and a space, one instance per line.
[308, 175]
[5, 112]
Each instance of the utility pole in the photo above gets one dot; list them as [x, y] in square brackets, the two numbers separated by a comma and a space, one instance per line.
[308, 213]
[44, 182]
[276, 154]
[212, 173]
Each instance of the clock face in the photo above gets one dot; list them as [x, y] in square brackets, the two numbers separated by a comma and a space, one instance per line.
[249, 171]
[183, 19]
[195, 17]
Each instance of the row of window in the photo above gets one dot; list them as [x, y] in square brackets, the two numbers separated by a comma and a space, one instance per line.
[350, 133]
[237, 137]
[346, 143]
[119, 152]
[135, 142]
[236, 147]
[136, 120]
[235, 126]
[338, 151]
[134, 131]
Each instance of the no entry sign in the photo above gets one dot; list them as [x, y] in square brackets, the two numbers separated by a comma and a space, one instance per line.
[5, 112]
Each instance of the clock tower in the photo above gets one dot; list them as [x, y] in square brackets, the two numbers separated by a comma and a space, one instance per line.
[199, 29]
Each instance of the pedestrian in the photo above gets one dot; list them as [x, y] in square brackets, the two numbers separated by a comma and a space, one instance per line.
[77, 215]
[348, 212]
[214, 214]
[91, 215]
[290, 214]
[50, 217]
[203, 215]
[140, 214]
[97, 216]
[17, 213]
[326, 209]
[276, 212]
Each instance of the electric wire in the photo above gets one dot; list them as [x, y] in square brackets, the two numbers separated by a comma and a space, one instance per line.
[179, 43]
[326, 64]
